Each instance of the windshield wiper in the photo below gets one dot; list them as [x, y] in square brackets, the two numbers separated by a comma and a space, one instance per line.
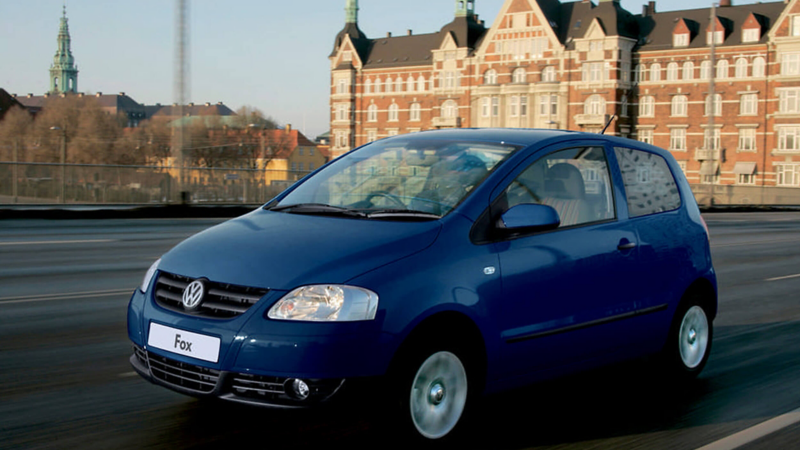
[318, 208]
[402, 213]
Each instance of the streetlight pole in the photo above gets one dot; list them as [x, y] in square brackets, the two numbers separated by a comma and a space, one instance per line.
[63, 198]
[16, 167]
[712, 132]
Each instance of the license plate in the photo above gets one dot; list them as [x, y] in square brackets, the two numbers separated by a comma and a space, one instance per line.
[184, 342]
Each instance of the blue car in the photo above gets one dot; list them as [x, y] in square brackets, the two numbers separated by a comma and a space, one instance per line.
[445, 265]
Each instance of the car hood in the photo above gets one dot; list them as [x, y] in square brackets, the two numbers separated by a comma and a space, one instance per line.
[277, 250]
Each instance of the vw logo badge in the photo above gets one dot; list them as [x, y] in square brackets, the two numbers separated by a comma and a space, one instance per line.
[193, 294]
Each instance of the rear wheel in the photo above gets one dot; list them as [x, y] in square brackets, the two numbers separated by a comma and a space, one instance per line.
[689, 345]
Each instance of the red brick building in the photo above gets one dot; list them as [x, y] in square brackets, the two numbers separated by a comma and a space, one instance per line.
[574, 65]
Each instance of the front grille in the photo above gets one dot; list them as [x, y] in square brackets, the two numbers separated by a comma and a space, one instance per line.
[221, 301]
[141, 355]
[189, 376]
[273, 389]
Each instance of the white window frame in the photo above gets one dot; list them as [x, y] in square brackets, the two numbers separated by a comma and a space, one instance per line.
[705, 70]
[717, 105]
[759, 67]
[748, 105]
[342, 86]
[549, 74]
[795, 25]
[394, 112]
[415, 112]
[789, 101]
[486, 106]
[449, 109]
[688, 70]
[372, 113]
[513, 106]
[523, 105]
[672, 71]
[719, 36]
[790, 64]
[788, 174]
[490, 77]
[680, 40]
[751, 35]
[655, 72]
[647, 106]
[747, 140]
[645, 135]
[520, 75]
[495, 106]
[595, 105]
[723, 67]
[372, 136]
[740, 70]
[789, 139]
[679, 106]
[421, 83]
[712, 138]
[677, 139]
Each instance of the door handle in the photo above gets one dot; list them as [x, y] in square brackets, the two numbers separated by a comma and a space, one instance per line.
[626, 246]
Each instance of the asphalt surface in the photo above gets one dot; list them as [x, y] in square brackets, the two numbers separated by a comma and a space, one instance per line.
[65, 381]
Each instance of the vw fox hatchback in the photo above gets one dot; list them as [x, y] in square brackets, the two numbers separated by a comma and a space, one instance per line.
[447, 265]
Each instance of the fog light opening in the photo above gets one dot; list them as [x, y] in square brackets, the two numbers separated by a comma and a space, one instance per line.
[299, 389]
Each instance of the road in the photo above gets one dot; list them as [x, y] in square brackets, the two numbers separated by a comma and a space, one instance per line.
[65, 381]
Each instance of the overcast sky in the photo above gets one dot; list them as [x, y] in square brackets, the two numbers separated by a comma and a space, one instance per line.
[271, 54]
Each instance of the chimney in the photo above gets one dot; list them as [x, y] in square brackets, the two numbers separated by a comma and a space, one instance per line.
[288, 127]
[724, 3]
[388, 34]
[208, 104]
[410, 32]
[219, 103]
[14, 95]
[191, 104]
[99, 94]
[46, 95]
[30, 95]
[122, 94]
[649, 9]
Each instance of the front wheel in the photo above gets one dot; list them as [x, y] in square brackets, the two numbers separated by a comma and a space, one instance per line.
[438, 395]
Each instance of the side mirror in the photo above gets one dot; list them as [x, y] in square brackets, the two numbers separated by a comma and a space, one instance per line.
[529, 217]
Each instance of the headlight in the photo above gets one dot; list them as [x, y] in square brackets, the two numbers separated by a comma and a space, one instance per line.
[149, 276]
[326, 303]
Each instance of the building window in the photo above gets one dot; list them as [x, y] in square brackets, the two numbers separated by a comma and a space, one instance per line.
[759, 67]
[389, 85]
[311, 151]
[485, 106]
[677, 139]
[449, 109]
[596, 71]
[751, 35]
[300, 151]
[513, 106]
[549, 74]
[719, 37]
[638, 73]
[342, 111]
[680, 40]
[421, 83]
[705, 70]
[393, 112]
[294, 166]
[655, 72]
[594, 105]
[523, 105]
[747, 139]
[393, 132]
[399, 84]
[625, 72]
[341, 86]
[744, 178]
[672, 71]
[378, 86]
[647, 106]
[495, 106]
[796, 25]
[310, 167]
[790, 64]
[789, 100]
[539, 46]
[415, 112]
[519, 75]
[688, 70]
[717, 104]
[368, 86]
[646, 136]
[748, 105]
[372, 113]
[372, 135]
[741, 68]
[624, 107]
[548, 105]
[680, 105]
[788, 174]
[789, 138]
[490, 77]
[342, 139]
[722, 68]
[711, 138]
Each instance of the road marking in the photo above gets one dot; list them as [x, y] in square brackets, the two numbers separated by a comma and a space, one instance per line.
[755, 432]
[62, 296]
[783, 278]
[83, 241]
[127, 374]
[733, 244]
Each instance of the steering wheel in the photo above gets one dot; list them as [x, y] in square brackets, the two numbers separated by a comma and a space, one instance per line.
[391, 197]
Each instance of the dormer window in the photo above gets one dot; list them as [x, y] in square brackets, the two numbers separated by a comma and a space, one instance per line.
[680, 40]
[719, 37]
[751, 35]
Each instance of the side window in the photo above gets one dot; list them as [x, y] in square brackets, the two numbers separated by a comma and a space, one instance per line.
[575, 182]
[649, 184]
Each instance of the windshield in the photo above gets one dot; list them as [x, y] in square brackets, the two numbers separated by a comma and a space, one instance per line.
[401, 176]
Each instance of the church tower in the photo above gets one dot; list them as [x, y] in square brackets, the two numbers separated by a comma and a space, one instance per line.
[63, 72]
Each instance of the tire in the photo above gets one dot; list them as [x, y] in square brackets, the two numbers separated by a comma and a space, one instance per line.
[434, 389]
[689, 344]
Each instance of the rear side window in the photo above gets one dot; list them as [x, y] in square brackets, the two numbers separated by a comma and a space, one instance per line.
[649, 184]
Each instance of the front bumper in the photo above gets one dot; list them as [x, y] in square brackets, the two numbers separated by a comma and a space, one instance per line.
[251, 389]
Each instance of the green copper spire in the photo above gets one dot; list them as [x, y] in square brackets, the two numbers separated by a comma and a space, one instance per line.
[63, 72]
[351, 10]
[465, 8]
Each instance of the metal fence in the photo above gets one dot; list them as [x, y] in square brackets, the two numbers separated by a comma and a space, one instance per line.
[39, 183]
[26, 183]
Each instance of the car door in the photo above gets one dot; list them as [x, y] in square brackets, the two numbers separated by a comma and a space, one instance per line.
[564, 291]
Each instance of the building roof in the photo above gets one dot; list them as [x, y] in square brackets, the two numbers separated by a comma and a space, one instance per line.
[206, 109]
[7, 102]
[120, 101]
[657, 28]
